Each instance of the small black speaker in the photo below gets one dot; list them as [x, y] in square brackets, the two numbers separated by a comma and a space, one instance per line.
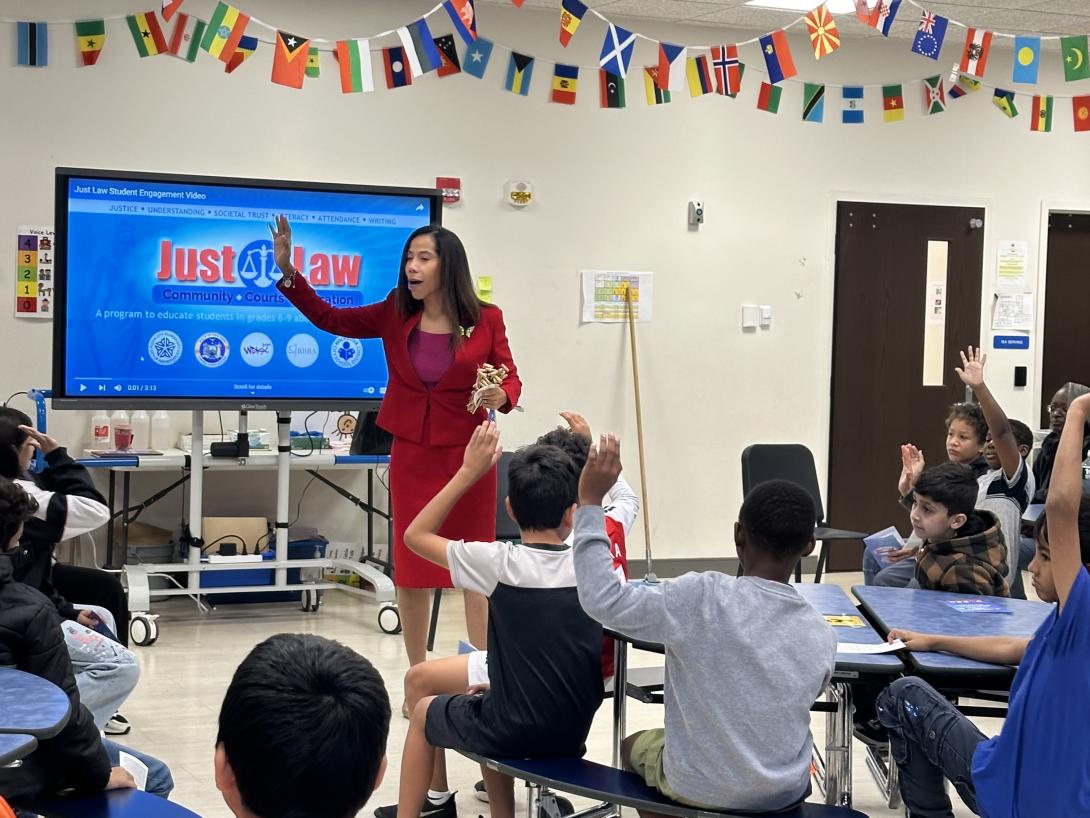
[1020, 376]
[369, 437]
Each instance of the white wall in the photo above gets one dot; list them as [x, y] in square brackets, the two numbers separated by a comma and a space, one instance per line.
[611, 191]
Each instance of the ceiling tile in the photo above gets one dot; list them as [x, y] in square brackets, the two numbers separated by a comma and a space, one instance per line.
[1079, 7]
[1028, 22]
[660, 9]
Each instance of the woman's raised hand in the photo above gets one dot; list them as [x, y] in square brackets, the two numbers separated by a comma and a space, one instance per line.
[281, 235]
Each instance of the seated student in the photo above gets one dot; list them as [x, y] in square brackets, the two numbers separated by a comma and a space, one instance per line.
[966, 437]
[454, 674]
[1057, 416]
[963, 549]
[30, 640]
[745, 657]
[1039, 764]
[302, 731]
[544, 652]
[68, 504]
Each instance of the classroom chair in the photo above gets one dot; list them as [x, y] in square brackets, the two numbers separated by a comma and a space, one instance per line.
[794, 462]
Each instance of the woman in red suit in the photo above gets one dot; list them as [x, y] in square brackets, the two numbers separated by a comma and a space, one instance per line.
[435, 333]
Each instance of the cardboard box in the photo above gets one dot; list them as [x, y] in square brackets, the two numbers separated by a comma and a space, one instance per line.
[249, 535]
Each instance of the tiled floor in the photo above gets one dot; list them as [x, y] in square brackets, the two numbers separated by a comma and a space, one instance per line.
[175, 706]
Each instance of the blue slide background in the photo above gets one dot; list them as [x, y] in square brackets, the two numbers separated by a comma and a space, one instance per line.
[122, 320]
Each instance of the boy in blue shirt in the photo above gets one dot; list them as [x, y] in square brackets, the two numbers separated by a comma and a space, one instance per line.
[1041, 742]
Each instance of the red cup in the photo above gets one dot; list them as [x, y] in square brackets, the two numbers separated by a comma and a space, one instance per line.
[122, 437]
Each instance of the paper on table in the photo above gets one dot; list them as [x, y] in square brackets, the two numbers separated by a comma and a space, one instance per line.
[882, 542]
[136, 768]
[884, 647]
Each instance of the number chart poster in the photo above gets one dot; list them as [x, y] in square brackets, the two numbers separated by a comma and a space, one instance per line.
[34, 273]
[605, 296]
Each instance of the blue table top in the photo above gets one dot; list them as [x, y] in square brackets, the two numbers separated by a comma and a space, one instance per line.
[112, 804]
[31, 705]
[14, 746]
[832, 600]
[915, 609]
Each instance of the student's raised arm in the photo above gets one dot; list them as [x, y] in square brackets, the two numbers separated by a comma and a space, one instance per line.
[1064, 498]
[482, 453]
[638, 610]
[971, 373]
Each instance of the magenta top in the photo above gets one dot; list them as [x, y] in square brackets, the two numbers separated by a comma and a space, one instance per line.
[431, 355]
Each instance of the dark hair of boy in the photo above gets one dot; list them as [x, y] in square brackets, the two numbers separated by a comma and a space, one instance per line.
[303, 727]
[1023, 435]
[11, 439]
[16, 507]
[1040, 529]
[779, 518]
[951, 484]
[542, 483]
[972, 414]
[577, 446]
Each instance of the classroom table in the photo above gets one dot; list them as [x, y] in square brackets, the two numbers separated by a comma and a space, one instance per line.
[916, 609]
[112, 804]
[833, 772]
[14, 746]
[30, 705]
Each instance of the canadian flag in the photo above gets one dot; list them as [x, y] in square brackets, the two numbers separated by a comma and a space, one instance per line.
[974, 59]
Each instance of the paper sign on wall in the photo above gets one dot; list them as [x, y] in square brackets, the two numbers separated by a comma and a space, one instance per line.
[484, 289]
[34, 272]
[1010, 266]
[1013, 312]
[604, 296]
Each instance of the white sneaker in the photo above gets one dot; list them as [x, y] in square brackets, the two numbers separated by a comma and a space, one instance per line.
[479, 792]
[118, 725]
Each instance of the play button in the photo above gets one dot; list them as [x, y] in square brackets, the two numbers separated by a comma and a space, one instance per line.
[83, 387]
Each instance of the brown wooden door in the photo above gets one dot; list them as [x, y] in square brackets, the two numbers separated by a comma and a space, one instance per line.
[1067, 299]
[878, 397]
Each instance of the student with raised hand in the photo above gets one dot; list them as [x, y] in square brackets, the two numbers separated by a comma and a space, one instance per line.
[745, 657]
[302, 731]
[1039, 764]
[544, 652]
[1007, 487]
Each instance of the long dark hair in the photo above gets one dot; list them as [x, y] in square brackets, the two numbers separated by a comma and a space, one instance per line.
[460, 303]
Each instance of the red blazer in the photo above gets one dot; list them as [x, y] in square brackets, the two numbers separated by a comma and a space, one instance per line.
[408, 402]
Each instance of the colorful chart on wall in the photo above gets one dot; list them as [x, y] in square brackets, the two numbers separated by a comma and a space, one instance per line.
[604, 295]
[34, 273]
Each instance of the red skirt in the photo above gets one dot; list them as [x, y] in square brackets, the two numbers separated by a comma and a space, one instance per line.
[417, 472]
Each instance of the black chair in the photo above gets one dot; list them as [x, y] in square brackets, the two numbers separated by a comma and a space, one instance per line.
[506, 531]
[794, 462]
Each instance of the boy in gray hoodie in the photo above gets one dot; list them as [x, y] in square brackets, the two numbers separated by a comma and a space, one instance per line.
[745, 657]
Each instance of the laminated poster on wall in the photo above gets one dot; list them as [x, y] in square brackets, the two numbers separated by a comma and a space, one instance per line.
[34, 272]
[605, 295]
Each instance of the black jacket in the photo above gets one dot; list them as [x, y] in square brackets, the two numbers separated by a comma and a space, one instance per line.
[31, 641]
[1046, 459]
[69, 505]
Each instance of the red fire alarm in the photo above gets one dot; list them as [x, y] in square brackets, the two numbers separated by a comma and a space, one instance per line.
[451, 187]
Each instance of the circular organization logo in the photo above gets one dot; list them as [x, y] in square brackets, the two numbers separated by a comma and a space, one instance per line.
[347, 352]
[165, 347]
[302, 350]
[257, 265]
[256, 349]
[212, 349]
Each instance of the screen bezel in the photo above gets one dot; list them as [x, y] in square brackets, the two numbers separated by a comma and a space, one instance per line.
[62, 400]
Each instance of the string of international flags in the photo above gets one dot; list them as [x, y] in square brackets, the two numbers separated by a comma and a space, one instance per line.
[699, 70]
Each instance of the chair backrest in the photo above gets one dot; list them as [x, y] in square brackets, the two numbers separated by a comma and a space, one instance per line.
[782, 461]
[506, 530]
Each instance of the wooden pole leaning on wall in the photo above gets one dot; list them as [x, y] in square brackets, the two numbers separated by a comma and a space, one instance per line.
[650, 574]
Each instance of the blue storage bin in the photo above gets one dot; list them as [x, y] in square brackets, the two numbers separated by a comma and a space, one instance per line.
[297, 550]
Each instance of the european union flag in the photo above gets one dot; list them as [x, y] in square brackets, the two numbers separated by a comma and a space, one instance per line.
[1027, 59]
[477, 56]
[33, 44]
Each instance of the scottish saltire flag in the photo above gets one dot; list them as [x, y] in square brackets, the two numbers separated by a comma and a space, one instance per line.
[617, 50]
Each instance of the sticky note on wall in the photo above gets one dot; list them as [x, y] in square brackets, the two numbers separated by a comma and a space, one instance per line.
[484, 288]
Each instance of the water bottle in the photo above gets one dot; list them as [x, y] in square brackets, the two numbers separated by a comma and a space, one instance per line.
[122, 429]
[141, 429]
[160, 430]
[100, 430]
